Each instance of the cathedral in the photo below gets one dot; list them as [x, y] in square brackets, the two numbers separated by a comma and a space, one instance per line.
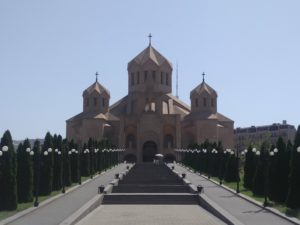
[149, 119]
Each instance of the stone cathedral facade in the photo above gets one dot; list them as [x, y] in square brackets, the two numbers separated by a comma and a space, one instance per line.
[149, 119]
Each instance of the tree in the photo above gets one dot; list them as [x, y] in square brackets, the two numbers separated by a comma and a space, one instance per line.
[57, 163]
[293, 197]
[249, 168]
[231, 174]
[25, 173]
[74, 159]
[85, 162]
[66, 164]
[8, 172]
[258, 187]
[46, 178]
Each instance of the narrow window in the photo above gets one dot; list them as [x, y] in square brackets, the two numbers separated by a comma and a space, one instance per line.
[204, 102]
[95, 101]
[196, 102]
[103, 102]
[161, 77]
[132, 79]
[212, 102]
[145, 75]
[138, 77]
[153, 75]
[87, 102]
[167, 79]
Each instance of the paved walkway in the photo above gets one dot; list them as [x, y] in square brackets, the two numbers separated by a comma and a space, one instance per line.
[56, 211]
[246, 212]
[150, 215]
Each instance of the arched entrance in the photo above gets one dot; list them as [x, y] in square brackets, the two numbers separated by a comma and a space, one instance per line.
[149, 151]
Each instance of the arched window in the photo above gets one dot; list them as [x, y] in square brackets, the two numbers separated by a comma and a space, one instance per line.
[87, 102]
[213, 102]
[168, 141]
[196, 102]
[204, 102]
[130, 141]
[95, 101]
[145, 75]
[103, 102]
[162, 77]
[153, 75]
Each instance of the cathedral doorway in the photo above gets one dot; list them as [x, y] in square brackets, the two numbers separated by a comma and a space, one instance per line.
[149, 151]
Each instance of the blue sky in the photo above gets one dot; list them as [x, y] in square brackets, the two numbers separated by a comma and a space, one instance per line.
[50, 51]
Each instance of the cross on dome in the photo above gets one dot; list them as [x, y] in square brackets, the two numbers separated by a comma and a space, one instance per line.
[96, 76]
[203, 74]
[149, 36]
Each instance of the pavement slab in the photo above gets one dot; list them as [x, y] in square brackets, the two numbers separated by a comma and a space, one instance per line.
[150, 215]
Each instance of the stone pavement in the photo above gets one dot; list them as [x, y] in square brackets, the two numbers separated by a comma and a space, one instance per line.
[61, 208]
[150, 215]
[245, 211]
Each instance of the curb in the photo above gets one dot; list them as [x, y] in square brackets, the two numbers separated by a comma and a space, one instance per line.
[249, 199]
[48, 201]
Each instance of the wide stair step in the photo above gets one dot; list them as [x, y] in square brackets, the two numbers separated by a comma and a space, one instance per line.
[156, 199]
[137, 188]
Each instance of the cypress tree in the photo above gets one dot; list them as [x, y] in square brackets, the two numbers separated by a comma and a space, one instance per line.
[57, 163]
[25, 172]
[46, 178]
[249, 168]
[293, 197]
[74, 159]
[66, 163]
[85, 162]
[259, 176]
[231, 169]
[36, 171]
[8, 181]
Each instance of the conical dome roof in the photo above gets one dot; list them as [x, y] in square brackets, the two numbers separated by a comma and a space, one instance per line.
[95, 87]
[204, 87]
[149, 53]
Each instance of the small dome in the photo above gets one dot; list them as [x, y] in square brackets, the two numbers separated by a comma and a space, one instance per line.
[152, 54]
[204, 87]
[95, 87]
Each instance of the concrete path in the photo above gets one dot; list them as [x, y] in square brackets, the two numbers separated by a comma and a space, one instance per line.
[245, 211]
[150, 215]
[58, 210]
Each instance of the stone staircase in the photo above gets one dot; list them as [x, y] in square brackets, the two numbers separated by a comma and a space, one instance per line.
[147, 183]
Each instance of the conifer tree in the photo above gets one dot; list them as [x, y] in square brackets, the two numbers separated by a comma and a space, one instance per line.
[36, 165]
[25, 172]
[231, 174]
[249, 168]
[66, 163]
[57, 163]
[293, 197]
[74, 159]
[46, 178]
[259, 176]
[8, 172]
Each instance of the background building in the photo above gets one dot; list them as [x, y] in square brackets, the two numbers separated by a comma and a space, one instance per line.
[149, 119]
[255, 135]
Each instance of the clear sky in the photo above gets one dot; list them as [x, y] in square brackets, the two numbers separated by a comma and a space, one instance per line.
[50, 51]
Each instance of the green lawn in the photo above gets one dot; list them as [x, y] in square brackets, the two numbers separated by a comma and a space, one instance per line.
[23, 206]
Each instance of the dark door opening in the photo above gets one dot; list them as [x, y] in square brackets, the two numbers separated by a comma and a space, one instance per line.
[149, 151]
